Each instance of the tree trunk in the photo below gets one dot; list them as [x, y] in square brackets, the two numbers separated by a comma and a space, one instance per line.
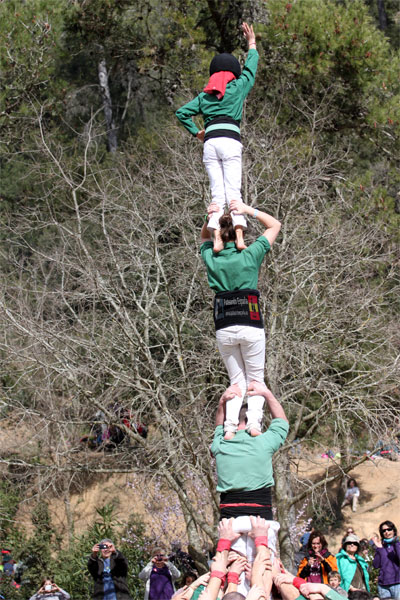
[195, 545]
[382, 15]
[286, 512]
[108, 113]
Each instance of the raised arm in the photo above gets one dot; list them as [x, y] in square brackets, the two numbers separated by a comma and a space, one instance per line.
[226, 537]
[259, 389]
[249, 35]
[271, 224]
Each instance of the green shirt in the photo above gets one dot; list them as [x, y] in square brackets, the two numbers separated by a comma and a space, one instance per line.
[233, 269]
[245, 462]
[331, 595]
[197, 592]
[231, 105]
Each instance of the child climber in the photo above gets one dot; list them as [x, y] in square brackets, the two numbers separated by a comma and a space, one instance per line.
[221, 104]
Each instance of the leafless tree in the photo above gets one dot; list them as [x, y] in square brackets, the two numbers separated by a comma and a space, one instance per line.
[105, 307]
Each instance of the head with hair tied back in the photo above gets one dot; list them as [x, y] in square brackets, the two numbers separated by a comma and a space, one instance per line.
[227, 229]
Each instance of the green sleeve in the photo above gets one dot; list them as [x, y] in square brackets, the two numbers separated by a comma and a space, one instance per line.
[186, 112]
[258, 249]
[248, 76]
[333, 595]
[275, 435]
[203, 249]
[218, 435]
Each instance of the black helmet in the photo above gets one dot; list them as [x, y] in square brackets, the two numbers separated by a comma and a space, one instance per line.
[225, 62]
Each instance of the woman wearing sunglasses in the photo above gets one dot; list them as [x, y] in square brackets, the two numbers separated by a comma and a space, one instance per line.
[387, 560]
[352, 567]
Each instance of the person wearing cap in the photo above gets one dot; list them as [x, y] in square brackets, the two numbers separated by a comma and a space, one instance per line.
[352, 567]
[159, 575]
[221, 104]
[109, 569]
[387, 560]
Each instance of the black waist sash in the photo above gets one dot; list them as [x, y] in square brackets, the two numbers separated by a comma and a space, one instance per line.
[240, 307]
[234, 135]
[238, 503]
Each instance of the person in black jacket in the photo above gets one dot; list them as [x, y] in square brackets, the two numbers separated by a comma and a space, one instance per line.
[109, 569]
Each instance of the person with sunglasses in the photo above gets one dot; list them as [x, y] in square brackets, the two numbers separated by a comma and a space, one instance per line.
[352, 567]
[387, 560]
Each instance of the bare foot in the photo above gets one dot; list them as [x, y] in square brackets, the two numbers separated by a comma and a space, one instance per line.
[240, 245]
[218, 243]
[229, 435]
[254, 432]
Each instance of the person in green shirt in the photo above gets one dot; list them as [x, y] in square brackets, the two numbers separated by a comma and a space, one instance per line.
[244, 470]
[233, 275]
[221, 105]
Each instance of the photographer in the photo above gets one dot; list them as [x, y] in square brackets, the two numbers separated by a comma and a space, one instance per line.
[109, 569]
[50, 591]
[159, 575]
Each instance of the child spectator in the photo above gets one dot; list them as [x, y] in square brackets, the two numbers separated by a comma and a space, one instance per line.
[221, 104]
[334, 580]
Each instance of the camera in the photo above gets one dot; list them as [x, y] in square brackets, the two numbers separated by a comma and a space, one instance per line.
[103, 546]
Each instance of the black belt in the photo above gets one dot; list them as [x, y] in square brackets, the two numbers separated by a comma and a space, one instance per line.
[240, 307]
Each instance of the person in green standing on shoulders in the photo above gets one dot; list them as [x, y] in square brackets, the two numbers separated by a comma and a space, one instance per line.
[221, 104]
[233, 276]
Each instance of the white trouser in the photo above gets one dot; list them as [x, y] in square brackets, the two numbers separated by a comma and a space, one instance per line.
[222, 159]
[245, 545]
[242, 349]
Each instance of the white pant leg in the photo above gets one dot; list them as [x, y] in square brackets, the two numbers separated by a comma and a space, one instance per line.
[228, 342]
[232, 410]
[253, 352]
[222, 159]
[230, 152]
[252, 347]
[231, 355]
[242, 349]
[215, 172]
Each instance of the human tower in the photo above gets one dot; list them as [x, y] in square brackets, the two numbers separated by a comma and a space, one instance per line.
[243, 453]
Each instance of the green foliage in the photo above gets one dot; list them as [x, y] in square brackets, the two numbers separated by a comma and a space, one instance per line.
[29, 32]
[46, 554]
[333, 53]
[37, 555]
[9, 500]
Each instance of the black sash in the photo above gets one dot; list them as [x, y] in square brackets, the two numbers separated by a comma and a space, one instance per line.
[238, 503]
[240, 307]
[234, 135]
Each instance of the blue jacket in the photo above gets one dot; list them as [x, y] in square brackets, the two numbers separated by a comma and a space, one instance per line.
[347, 568]
[387, 559]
